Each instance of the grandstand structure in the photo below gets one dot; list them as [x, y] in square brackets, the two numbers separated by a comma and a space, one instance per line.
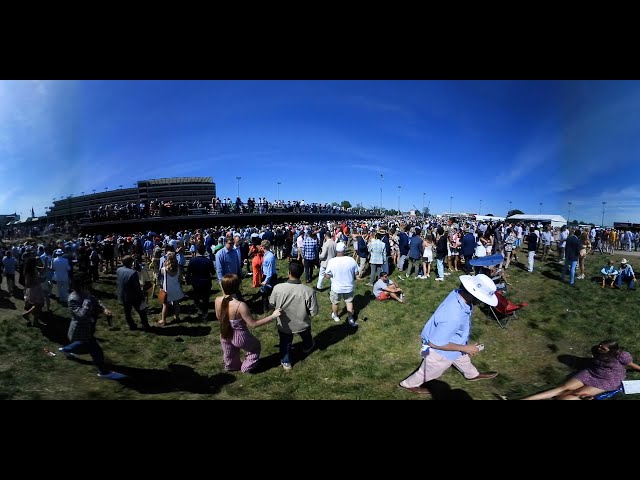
[174, 189]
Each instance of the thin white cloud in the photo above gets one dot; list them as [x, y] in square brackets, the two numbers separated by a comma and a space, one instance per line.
[527, 162]
[381, 106]
[371, 168]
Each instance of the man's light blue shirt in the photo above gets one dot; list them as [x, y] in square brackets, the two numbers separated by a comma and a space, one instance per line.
[450, 323]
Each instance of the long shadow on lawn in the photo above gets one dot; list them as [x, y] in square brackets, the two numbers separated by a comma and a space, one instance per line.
[442, 391]
[172, 330]
[178, 378]
[7, 304]
[576, 363]
[552, 275]
[55, 328]
[323, 340]
[360, 302]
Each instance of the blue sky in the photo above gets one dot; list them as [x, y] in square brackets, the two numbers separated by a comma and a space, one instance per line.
[481, 142]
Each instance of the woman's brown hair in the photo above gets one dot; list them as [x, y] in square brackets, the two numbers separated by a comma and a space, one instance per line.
[606, 350]
[230, 286]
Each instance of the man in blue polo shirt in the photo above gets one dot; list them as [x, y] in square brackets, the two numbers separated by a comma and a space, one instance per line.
[445, 336]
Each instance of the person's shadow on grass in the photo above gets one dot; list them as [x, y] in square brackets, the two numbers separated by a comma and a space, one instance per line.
[323, 340]
[442, 391]
[7, 304]
[173, 330]
[360, 302]
[575, 363]
[177, 378]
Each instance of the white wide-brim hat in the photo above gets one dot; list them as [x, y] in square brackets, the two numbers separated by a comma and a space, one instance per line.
[481, 287]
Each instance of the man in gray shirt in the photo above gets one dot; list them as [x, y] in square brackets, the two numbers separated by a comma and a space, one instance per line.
[298, 303]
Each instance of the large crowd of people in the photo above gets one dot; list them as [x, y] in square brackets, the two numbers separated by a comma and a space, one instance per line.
[217, 206]
[188, 262]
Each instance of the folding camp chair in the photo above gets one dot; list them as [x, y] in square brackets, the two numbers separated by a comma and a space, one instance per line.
[628, 387]
[505, 310]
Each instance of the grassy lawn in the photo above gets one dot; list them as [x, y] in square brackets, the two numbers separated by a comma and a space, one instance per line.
[184, 361]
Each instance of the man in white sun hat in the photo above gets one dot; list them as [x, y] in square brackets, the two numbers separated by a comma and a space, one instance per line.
[626, 275]
[445, 336]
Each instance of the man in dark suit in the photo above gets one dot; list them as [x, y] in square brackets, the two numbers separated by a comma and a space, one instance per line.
[403, 245]
[130, 293]
[572, 254]
[468, 248]
[200, 271]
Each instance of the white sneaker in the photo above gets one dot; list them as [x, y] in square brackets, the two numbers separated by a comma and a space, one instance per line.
[286, 366]
[446, 274]
[439, 279]
[335, 317]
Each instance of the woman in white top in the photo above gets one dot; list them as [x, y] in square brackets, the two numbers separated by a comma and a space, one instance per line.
[171, 285]
[427, 254]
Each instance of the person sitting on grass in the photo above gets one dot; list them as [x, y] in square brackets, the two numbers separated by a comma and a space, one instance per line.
[626, 275]
[606, 372]
[610, 273]
[384, 289]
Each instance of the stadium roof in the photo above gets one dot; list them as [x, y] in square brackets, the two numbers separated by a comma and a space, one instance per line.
[173, 180]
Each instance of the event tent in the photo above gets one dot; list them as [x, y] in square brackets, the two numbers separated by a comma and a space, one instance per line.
[554, 220]
[489, 218]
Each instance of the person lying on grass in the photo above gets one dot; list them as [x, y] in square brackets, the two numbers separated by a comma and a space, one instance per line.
[606, 372]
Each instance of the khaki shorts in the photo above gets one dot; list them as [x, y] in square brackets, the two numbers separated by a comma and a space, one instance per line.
[336, 297]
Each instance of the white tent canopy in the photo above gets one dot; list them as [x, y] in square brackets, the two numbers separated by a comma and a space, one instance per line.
[489, 218]
[554, 220]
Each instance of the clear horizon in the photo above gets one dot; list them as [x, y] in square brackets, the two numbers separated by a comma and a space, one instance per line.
[468, 146]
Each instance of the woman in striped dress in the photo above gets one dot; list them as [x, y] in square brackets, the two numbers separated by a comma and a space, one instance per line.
[235, 318]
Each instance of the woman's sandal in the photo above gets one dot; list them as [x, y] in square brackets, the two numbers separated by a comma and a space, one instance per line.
[162, 323]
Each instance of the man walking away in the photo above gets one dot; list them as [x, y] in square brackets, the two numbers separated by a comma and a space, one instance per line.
[298, 304]
[200, 271]
[342, 271]
[130, 294]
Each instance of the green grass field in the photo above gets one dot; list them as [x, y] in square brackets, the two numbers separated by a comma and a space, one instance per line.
[184, 361]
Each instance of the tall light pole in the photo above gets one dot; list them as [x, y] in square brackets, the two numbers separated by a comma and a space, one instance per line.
[509, 208]
[603, 204]
[480, 211]
[540, 210]
[450, 204]
[381, 181]
[569, 218]
[238, 179]
[278, 198]
[399, 187]
[423, 194]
